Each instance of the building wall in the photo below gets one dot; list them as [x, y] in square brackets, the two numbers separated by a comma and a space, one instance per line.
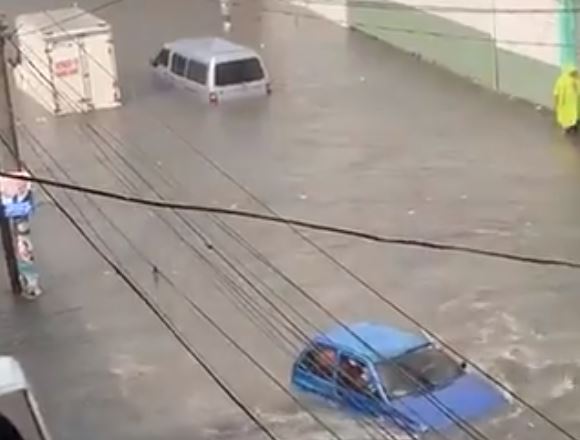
[517, 54]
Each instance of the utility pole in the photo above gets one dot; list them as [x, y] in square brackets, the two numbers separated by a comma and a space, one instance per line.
[9, 159]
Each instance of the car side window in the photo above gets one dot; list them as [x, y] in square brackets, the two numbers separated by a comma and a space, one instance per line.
[178, 64]
[319, 361]
[354, 375]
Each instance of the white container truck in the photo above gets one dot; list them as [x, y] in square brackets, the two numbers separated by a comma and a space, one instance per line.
[66, 61]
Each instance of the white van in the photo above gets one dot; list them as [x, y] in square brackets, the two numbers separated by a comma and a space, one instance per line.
[217, 69]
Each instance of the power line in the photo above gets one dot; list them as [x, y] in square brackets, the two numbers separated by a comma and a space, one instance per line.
[368, 236]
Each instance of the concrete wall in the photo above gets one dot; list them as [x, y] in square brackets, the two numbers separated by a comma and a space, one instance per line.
[517, 54]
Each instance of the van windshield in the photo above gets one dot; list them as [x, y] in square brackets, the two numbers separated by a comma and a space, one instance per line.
[161, 59]
[238, 72]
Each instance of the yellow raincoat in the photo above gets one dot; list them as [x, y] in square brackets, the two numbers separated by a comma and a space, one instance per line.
[566, 96]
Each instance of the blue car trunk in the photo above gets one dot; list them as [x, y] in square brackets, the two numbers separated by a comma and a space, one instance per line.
[469, 397]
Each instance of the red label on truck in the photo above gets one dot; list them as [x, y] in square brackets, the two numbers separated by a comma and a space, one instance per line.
[66, 67]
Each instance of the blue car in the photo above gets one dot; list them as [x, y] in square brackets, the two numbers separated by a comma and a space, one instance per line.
[399, 378]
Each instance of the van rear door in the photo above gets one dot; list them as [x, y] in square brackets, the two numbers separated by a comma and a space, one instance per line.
[101, 71]
[239, 78]
[70, 93]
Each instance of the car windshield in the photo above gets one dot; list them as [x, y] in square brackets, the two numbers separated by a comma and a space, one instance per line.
[427, 368]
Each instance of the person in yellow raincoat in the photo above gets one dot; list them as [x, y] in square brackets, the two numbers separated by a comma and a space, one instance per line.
[566, 99]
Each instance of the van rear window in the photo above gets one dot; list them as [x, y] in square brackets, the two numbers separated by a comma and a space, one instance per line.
[237, 72]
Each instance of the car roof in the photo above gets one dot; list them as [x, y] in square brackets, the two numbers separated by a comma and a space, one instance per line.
[373, 341]
[204, 49]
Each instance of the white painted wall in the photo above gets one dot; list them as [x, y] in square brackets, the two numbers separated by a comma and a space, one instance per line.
[530, 27]
[510, 29]
[332, 10]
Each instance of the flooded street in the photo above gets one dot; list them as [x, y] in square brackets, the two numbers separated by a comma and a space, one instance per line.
[355, 134]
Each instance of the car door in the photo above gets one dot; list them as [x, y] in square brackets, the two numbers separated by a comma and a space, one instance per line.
[314, 375]
[357, 386]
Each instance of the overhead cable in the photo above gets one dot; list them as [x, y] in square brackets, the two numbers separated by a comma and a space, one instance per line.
[354, 233]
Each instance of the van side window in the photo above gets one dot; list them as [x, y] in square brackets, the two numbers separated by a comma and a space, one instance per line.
[178, 64]
[319, 361]
[237, 72]
[196, 72]
[162, 59]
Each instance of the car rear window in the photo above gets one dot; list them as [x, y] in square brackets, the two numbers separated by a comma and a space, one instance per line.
[238, 72]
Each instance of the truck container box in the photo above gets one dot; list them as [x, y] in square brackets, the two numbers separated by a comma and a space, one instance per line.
[66, 61]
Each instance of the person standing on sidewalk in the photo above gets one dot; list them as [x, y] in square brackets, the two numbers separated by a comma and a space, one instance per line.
[566, 97]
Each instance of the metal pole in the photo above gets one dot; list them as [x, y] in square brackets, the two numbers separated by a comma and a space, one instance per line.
[9, 127]
[567, 28]
[495, 56]
[10, 160]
